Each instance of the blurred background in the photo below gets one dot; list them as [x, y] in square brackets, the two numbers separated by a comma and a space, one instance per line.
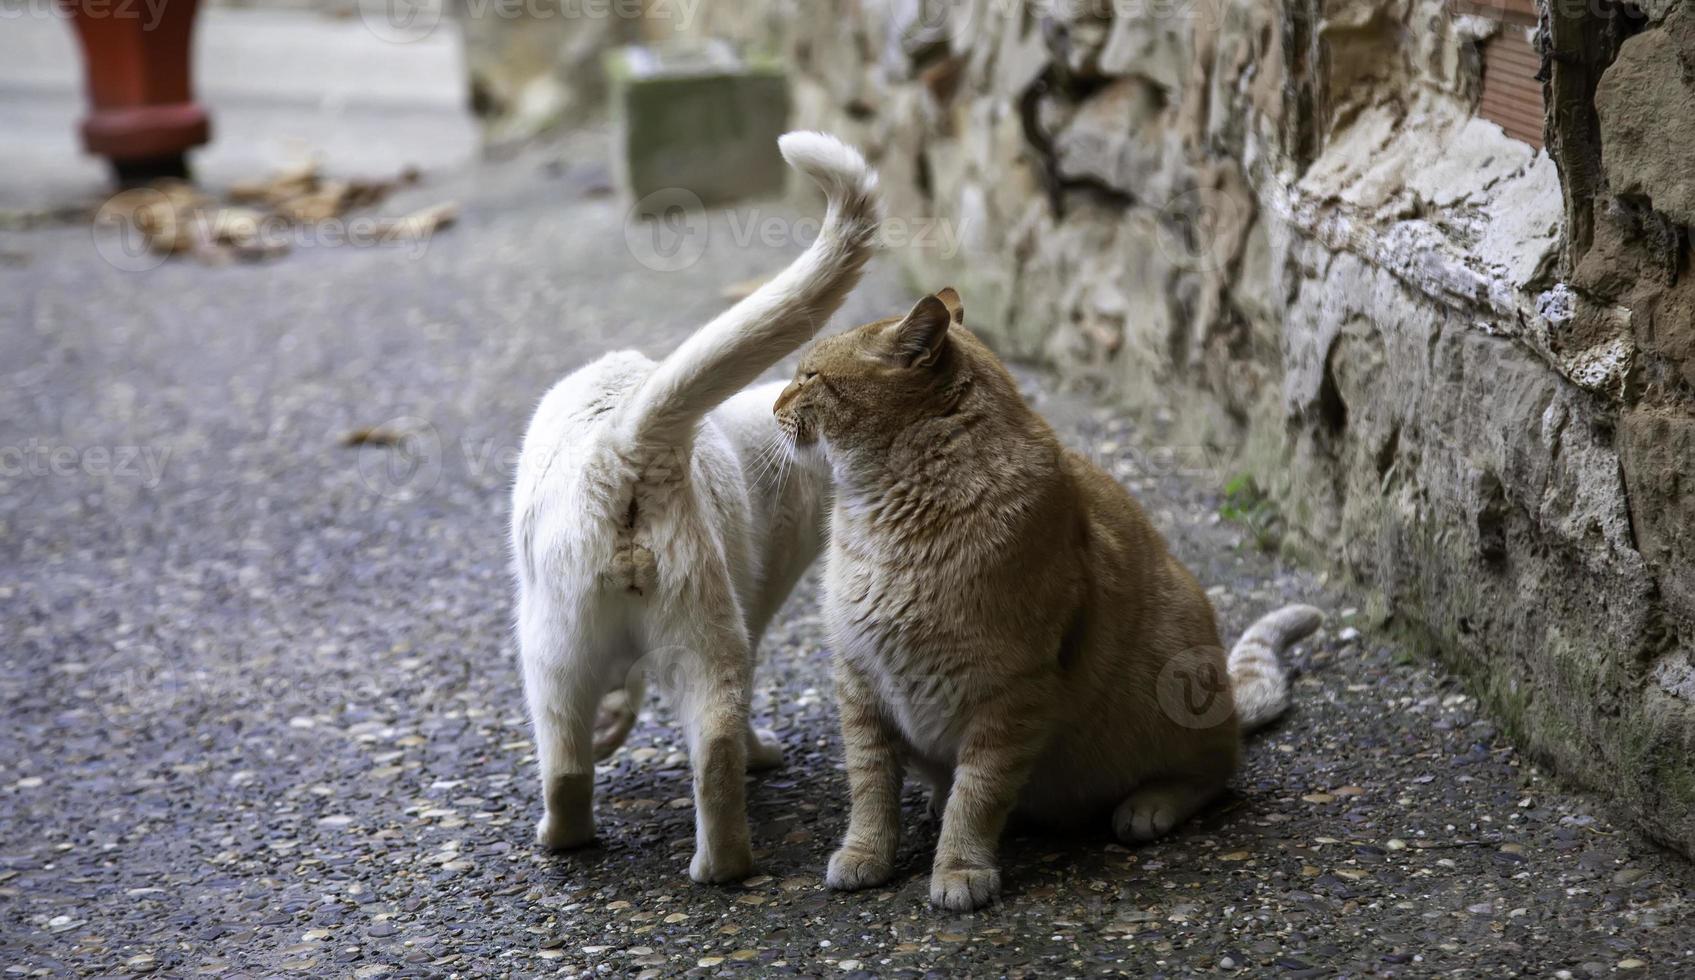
[1399, 292]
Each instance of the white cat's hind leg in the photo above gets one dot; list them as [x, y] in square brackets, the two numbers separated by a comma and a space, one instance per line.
[1158, 805]
[563, 683]
[707, 677]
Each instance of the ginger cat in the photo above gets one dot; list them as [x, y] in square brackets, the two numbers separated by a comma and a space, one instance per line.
[1006, 619]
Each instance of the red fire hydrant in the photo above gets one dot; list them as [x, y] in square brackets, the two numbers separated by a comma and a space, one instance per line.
[142, 114]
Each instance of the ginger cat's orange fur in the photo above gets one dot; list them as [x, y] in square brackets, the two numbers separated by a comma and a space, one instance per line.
[1006, 619]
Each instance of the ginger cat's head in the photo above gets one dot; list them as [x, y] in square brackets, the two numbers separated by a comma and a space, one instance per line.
[862, 387]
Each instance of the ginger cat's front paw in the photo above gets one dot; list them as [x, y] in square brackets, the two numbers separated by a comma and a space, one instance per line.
[726, 865]
[853, 867]
[964, 889]
[555, 834]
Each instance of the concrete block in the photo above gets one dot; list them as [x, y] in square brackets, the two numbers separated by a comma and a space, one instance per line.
[698, 117]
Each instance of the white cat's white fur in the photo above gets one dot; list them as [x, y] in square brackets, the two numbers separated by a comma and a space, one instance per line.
[646, 530]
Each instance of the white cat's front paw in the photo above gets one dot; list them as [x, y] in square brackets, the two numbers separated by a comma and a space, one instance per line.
[853, 867]
[964, 889]
[557, 835]
[725, 865]
[764, 751]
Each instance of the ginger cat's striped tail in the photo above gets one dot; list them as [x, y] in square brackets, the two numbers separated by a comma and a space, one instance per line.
[722, 357]
[1256, 669]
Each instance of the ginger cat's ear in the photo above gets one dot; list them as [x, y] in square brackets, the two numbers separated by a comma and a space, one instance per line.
[920, 337]
[956, 306]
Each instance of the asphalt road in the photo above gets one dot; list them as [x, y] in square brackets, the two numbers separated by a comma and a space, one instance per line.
[262, 711]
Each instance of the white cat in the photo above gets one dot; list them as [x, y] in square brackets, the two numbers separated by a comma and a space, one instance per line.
[643, 532]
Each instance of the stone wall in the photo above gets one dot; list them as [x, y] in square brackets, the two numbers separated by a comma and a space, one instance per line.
[1460, 367]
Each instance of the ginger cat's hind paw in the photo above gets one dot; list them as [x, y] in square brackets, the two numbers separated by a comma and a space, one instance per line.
[612, 724]
[964, 889]
[764, 751]
[1140, 821]
[1152, 810]
[853, 868]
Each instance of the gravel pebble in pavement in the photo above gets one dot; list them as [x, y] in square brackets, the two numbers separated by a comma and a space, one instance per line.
[262, 711]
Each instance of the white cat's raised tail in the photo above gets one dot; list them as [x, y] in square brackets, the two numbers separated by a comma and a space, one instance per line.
[728, 353]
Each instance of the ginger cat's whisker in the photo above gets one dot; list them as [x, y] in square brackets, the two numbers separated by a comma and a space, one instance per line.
[769, 461]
